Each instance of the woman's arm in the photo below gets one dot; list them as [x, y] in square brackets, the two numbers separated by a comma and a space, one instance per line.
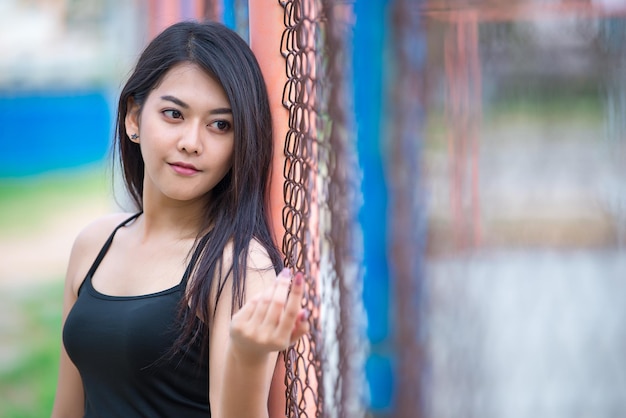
[69, 398]
[69, 401]
[243, 349]
[277, 403]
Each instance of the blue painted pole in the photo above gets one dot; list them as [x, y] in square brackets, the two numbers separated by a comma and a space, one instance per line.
[229, 14]
[368, 70]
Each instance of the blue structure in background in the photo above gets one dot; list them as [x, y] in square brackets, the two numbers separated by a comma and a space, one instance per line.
[229, 14]
[235, 16]
[48, 130]
[367, 61]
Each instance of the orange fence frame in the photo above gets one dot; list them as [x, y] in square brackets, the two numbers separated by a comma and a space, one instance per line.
[266, 29]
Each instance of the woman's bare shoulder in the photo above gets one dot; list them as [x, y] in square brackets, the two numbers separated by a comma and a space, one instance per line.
[261, 271]
[88, 243]
[96, 232]
[258, 257]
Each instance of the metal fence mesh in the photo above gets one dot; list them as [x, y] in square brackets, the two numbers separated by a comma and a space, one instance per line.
[321, 197]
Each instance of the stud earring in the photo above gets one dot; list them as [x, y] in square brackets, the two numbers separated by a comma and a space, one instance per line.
[134, 136]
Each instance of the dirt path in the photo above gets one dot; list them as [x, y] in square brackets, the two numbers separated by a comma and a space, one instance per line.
[31, 256]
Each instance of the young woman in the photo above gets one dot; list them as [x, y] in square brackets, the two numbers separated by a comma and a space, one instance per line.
[177, 310]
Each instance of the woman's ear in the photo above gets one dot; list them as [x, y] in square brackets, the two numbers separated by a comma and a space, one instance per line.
[131, 120]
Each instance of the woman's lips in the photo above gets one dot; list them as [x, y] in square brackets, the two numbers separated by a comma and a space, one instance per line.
[184, 169]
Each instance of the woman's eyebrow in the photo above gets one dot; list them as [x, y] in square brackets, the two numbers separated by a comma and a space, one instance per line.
[177, 101]
[221, 111]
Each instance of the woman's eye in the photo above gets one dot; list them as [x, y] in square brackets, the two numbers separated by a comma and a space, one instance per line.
[173, 114]
[221, 125]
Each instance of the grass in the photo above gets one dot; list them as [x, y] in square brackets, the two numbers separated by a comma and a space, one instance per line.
[30, 311]
[32, 340]
[30, 201]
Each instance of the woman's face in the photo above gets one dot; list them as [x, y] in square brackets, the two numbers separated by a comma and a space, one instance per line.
[185, 130]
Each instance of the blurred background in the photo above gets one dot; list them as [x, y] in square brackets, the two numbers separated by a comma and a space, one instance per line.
[61, 65]
[521, 146]
[524, 152]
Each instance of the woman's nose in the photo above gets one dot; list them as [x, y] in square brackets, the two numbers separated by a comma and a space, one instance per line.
[191, 142]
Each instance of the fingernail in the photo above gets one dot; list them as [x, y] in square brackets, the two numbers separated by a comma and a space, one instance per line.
[299, 279]
[304, 316]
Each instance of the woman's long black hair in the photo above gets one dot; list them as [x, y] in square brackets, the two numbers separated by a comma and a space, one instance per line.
[236, 211]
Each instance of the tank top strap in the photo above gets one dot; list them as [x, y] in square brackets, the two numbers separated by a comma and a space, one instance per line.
[106, 246]
[194, 259]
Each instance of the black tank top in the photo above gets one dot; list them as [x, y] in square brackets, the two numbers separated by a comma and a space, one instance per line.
[119, 345]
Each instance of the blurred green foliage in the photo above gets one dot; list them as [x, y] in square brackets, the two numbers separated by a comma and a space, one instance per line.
[30, 311]
[30, 340]
[26, 202]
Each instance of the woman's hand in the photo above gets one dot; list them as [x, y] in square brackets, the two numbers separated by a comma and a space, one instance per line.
[269, 322]
[272, 321]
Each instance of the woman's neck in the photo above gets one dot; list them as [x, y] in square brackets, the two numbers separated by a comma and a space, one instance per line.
[177, 221]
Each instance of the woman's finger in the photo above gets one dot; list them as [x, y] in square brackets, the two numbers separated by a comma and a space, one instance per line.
[247, 310]
[301, 327]
[279, 298]
[293, 306]
[263, 300]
